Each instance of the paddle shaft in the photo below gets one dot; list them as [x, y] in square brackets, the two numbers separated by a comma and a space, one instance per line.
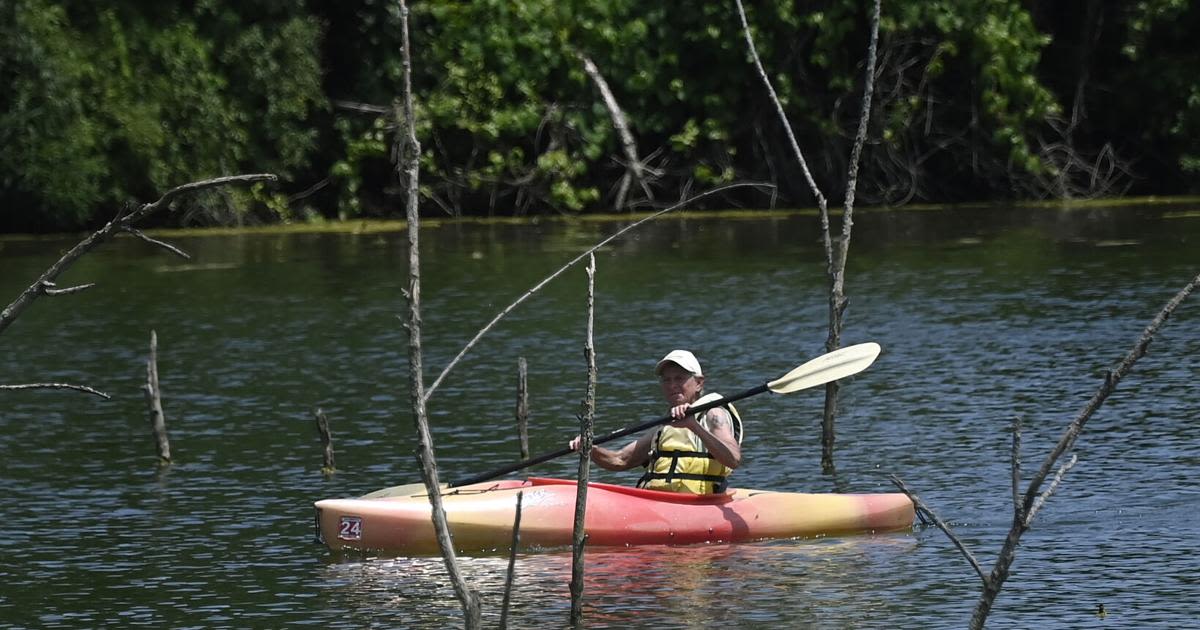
[619, 433]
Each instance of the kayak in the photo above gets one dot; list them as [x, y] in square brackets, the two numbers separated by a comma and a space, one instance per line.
[397, 520]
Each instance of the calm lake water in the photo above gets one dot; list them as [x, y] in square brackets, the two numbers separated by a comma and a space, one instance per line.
[983, 314]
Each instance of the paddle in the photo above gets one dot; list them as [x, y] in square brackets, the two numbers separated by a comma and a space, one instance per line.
[823, 369]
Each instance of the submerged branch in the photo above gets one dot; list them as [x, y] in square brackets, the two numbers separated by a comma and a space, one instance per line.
[154, 408]
[1033, 500]
[512, 564]
[835, 261]
[1111, 379]
[586, 423]
[408, 152]
[942, 525]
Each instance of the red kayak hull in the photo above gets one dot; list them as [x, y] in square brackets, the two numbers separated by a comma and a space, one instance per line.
[481, 516]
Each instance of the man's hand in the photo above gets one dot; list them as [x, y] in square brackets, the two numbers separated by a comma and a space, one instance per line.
[683, 419]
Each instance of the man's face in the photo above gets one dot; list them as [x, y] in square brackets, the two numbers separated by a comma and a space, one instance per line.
[678, 385]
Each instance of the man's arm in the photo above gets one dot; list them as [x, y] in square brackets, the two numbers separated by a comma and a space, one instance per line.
[629, 456]
[718, 438]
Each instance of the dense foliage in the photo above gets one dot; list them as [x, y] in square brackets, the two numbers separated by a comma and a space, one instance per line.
[109, 102]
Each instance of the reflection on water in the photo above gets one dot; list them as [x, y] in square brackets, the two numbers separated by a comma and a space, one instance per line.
[781, 582]
[982, 316]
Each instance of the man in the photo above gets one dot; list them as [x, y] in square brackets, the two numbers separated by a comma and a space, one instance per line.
[690, 454]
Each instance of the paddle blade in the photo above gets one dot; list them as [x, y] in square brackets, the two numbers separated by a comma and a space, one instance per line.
[826, 368]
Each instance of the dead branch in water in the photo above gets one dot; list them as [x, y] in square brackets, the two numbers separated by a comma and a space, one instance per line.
[79, 388]
[158, 420]
[922, 508]
[835, 261]
[328, 467]
[124, 221]
[522, 410]
[612, 237]
[1026, 505]
[512, 563]
[586, 422]
[837, 268]
[408, 153]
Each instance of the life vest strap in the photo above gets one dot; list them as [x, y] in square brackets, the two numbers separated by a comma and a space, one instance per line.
[679, 454]
[674, 456]
[720, 483]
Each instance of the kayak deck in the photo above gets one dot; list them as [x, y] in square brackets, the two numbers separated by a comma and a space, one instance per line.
[481, 516]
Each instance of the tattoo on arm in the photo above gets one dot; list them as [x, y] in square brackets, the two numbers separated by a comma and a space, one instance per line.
[719, 420]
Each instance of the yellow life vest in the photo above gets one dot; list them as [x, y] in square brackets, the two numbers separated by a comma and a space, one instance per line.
[679, 461]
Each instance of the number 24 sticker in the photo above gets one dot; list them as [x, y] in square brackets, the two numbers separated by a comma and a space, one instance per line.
[350, 528]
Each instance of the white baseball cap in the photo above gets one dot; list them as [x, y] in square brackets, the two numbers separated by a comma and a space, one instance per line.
[683, 359]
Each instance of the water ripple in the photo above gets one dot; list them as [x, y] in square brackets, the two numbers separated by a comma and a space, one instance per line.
[979, 324]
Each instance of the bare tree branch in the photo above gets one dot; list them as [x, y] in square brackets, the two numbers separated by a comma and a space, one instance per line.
[512, 564]
[79, 388]
[125, 218]
[586, 421]
[621, 124]
[522, 409]
[942, 525]
[191, 187]
[1041, 500]
[310, 191]
[362, 108]
[787, 127]
[483, 331]
[167, 246]
[153, 392]
[837, 267]
[408, 153]
[1033, 500]
[1016, 468]
[860, 138]
[1111, 379]
[835, 261]
[48, 290]
[1026, 507]
[328, 463]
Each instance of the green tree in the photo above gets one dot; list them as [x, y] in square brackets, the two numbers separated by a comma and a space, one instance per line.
[976, 99]
[52, 167]
[1148, 88]
[116, 102]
